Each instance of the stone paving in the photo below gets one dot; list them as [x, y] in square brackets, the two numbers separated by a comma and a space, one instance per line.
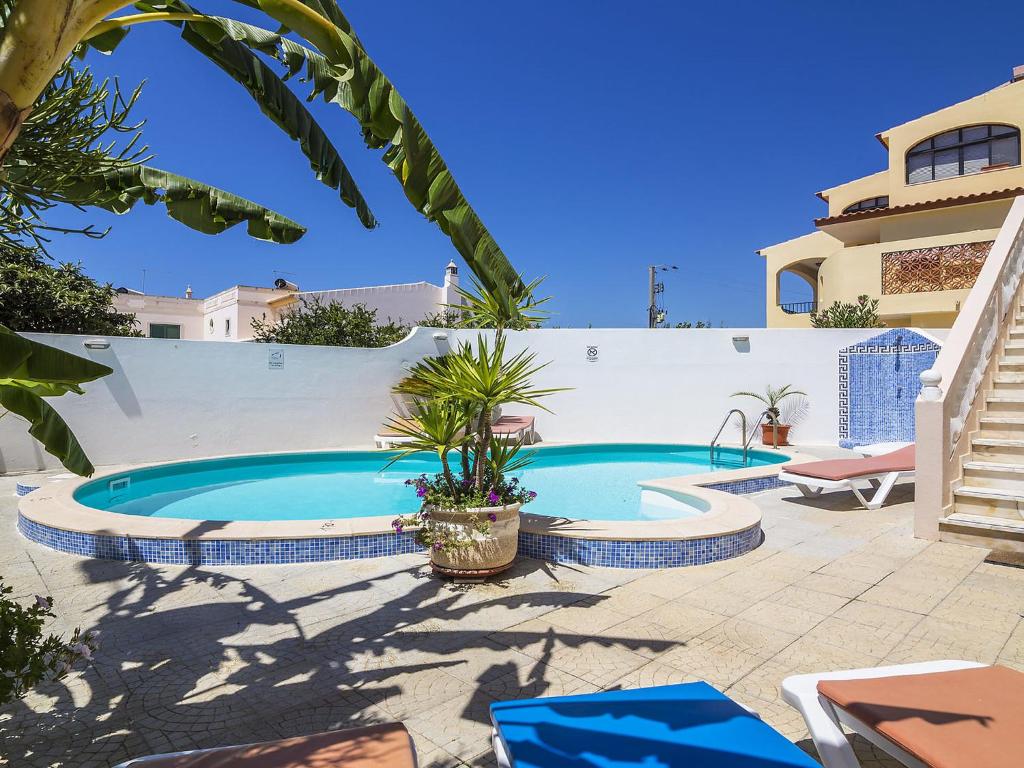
[199, 657]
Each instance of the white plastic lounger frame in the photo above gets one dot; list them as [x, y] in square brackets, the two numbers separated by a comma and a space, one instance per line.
[813, 486]
[824, 720]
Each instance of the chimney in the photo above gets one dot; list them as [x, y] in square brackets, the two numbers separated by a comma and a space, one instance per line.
[1018, 74]
[188, 291]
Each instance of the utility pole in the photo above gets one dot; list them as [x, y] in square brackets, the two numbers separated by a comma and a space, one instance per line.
[655, 288]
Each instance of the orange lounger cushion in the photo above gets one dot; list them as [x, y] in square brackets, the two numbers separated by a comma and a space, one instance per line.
[849, 469]
[376, 746]
[966, 718]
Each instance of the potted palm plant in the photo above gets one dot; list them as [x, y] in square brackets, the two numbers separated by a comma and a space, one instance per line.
[469, 511]
[773, 432]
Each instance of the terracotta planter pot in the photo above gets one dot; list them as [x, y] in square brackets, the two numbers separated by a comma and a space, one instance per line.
[767, 434]
[488, 553]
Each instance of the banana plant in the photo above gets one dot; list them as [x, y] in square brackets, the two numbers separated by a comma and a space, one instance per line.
[39, 35]
[31, 372]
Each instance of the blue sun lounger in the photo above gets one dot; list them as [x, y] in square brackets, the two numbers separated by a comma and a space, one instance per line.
[672, 726]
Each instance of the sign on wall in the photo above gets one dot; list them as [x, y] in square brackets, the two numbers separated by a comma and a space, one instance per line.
[275, 361]
[591, 354]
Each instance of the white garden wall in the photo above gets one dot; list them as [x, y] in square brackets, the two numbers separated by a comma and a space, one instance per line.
[180, 399]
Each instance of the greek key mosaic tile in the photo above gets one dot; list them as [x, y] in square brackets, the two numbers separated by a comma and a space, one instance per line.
[219, 552]
[879, 380]
[673, 553]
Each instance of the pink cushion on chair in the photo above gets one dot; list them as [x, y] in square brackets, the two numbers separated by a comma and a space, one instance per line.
[508, 425]
[849, 469]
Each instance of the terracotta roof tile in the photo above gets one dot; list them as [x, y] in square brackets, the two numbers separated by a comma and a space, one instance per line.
[945, 202]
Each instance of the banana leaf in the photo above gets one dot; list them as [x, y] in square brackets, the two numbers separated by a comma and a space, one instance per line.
[196, 205]
[46, 426]
[30, 371]
[342, 73]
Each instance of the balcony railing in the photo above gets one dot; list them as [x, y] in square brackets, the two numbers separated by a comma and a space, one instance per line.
[799, 307]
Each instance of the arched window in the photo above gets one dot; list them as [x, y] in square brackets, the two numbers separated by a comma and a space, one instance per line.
[962, 152]
[868, 204]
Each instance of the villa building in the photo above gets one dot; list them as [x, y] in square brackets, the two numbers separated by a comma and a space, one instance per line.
[228, 315]
[913, 235]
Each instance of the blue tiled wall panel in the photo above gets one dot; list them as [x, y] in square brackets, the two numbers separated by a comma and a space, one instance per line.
[673, 553]
[879, 380]
[21, 489]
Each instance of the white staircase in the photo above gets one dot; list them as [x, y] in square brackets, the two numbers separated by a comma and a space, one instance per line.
[988, 504]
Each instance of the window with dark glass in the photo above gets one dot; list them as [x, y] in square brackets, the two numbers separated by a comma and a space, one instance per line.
[164, 331]
[962, 152]
[868, 204]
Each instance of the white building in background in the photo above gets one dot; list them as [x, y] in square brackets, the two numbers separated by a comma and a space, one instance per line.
[228, 315]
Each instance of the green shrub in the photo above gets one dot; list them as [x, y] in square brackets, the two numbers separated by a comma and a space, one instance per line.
[843, 314]
[27, 658]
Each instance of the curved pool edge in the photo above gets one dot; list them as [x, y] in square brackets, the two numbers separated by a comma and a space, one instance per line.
[50, 516]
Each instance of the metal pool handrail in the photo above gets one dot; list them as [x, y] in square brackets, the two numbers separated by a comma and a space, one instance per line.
[714, 440]
[753, 429]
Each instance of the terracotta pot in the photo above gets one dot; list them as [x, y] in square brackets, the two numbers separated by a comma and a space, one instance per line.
[488, 553]
[767, 432]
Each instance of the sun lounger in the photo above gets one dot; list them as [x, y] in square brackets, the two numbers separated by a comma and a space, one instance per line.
[514, 428]
[389, 437]
[936, 714]
[375, 746]
[813, 477]
[690, 725]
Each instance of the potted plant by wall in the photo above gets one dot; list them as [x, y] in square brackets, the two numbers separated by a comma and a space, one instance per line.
[469, 511]
[773, 431]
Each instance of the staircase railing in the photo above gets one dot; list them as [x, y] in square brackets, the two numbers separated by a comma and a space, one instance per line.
[950, 388]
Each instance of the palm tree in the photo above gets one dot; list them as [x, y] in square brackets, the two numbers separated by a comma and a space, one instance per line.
[39, 36]
[771, 398]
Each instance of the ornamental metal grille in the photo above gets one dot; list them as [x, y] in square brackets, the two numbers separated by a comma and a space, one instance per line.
[942, 268]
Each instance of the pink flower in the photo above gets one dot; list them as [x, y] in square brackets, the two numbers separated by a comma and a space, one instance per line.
[438, 546]
[42, 602]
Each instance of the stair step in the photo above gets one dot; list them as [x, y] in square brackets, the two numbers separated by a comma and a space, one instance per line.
[1011, 365]
[994, 466]
[982, 523]
[1008, 378]
[999, 494]
[997, 442]
[1001, 396]
[989, 419]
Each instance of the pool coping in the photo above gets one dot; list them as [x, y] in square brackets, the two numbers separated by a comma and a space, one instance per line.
[54, 505]
[51, 516]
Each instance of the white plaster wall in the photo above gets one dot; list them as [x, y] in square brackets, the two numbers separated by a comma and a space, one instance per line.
[675, 384]
[180, 399]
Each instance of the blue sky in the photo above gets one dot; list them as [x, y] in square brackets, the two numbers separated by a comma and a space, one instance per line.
[592, 137]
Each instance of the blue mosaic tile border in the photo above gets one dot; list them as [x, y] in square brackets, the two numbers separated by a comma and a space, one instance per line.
[219, 551]
[752, 485]
[559, 549]
[671, 553]
[20, 489]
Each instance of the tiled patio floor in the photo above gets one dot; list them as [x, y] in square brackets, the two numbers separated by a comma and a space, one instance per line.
[196, 657]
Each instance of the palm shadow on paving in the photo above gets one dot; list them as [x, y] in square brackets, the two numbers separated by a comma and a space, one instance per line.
[195, 658]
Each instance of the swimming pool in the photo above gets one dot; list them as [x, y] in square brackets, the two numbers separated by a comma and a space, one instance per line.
[594, 482]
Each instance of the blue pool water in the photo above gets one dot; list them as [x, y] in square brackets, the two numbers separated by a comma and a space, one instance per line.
[594, 482]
